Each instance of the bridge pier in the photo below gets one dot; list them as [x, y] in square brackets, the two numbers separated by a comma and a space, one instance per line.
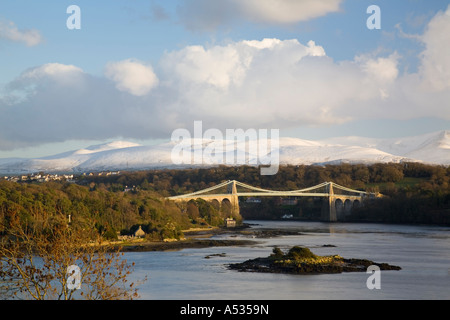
[235, 211]
[234, 199]
[234, 203]
[329, 213]
[338, 207]
[329, 206]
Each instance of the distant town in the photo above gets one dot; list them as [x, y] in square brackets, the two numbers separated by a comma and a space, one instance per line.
[45, 177]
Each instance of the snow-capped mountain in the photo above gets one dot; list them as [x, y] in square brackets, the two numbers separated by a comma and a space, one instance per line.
[428, 148]
[431, 148]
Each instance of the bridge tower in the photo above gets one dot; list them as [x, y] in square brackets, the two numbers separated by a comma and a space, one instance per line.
[329, 205]
[234, 199]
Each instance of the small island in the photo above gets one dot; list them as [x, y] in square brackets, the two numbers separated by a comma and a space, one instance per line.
[300, 260]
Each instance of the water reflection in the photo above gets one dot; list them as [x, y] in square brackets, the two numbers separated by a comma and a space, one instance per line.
[422, 252]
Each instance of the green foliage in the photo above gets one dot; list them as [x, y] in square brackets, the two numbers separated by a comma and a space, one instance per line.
[96, 208]
[175, 182]
[300, 253]
[110, 234]
[415, 193]
[277, 253]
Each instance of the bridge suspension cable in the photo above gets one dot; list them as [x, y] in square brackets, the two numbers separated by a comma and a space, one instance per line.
[220, 185]
[255, 188]
[261, 191]
[324, 184]
[348, 189]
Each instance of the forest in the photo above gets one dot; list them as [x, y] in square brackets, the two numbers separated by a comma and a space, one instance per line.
[414, 192]
[118, 204]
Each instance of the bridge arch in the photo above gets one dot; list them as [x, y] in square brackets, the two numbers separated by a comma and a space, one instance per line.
[348, 206]
[339, 205]
[216, 204]
[226, 206]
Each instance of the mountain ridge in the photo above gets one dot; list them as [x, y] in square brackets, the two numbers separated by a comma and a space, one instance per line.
[431, 148]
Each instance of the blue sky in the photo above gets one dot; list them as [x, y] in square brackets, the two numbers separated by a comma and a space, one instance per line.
[137, 70]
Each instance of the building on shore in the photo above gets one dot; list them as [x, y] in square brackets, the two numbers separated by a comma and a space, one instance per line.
[230, 223]
[139, 233]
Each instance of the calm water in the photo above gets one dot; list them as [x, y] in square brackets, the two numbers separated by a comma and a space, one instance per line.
[423, 252]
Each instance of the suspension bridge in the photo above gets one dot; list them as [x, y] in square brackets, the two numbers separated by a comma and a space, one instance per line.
[339, 200]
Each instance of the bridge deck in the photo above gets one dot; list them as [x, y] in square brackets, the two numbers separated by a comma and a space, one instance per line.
[266, 194]
[315, 191]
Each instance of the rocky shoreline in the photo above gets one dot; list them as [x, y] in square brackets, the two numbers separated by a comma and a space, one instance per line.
[182, 244]
[201, 238]
[302, 261]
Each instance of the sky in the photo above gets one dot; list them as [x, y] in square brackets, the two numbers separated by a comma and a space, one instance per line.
[137, 70]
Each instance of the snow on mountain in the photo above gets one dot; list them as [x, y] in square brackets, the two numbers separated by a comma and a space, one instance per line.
[63, 162]
[332, 153]
[428, 148]
[121, 155]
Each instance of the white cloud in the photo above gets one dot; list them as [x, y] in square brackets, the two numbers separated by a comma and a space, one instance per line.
[286, 11]
[208, 15]
[132, 76]
[272, 82]
[57, 102]
[47, 75]
[9, 31]
[269, 83]
[51, 69]
[195, 65]
[383, 69]
[224, 67]
[436, 57]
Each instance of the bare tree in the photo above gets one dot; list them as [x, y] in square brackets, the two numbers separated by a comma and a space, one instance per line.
[44, 259]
